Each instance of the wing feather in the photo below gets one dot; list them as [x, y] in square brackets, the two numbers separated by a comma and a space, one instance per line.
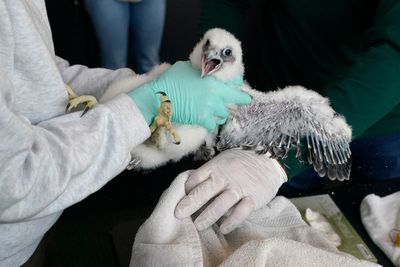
[279, 121]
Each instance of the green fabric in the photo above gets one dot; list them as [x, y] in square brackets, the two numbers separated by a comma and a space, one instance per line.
[347, 50]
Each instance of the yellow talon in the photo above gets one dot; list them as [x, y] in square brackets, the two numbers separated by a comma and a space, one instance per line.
[163, 119]
[71, 93]
[75, 100]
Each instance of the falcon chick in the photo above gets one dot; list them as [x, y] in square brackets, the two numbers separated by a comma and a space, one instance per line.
[274, 123]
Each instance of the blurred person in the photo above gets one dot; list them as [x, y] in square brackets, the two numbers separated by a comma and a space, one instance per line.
[128, 28]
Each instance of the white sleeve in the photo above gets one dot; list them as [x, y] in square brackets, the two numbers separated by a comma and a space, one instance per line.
[90, 81]
[47, 167]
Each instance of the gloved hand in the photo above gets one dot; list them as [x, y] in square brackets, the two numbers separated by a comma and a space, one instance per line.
[195, 100]
[238, 179]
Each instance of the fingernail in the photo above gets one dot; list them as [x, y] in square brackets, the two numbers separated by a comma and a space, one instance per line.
[222, 120]
[179, 214]
[225, 229]
[202, 223]
[249, 99]
[200, 226]
[181, 211]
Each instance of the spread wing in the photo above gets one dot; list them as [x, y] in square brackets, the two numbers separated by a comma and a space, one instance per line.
[286, 119]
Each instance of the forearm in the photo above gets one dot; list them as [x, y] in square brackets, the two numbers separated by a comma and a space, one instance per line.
[90, 81]
[369, 90]
[50, 166]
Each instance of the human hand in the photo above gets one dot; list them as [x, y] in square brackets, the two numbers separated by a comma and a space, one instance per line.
[238, 179]
[195, 100]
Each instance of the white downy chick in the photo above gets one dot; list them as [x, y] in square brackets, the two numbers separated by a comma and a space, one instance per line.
[273, 123]
[218, 54]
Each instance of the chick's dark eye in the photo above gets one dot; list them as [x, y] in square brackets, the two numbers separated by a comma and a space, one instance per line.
[227, 52]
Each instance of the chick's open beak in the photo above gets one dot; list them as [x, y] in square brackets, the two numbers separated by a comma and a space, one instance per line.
[210, 62]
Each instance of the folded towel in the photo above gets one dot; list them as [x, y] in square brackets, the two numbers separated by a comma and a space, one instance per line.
[274, 235]
[380, 215]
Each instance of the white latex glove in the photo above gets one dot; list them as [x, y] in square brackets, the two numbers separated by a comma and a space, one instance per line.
[236, 178]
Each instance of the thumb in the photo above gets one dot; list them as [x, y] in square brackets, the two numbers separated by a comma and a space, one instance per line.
[234, 96]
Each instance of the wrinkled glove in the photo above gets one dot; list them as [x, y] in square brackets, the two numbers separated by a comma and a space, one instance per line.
[195, 100]
[238, 179]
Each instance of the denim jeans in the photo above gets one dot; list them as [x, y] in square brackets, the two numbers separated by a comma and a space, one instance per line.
[375, 158]
[124, 29]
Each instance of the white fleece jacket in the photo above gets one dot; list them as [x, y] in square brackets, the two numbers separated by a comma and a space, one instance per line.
[49, 160]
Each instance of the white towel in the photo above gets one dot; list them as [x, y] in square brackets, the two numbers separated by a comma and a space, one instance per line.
[274, 235]
[380, 215]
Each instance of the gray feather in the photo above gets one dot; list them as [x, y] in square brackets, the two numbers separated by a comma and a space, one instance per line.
[275, 123]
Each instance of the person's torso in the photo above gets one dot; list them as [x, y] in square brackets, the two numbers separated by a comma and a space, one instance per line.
[307, 41]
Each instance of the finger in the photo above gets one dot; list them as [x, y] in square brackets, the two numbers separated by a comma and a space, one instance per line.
[85, 110]
[197, 177]
[199, 196]
[220, 110]
[235, 96]
[210, 124]
[221, 121]
[216, 209]
[238, 97]
[237, 81]
[221, 113]
[238, 215]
